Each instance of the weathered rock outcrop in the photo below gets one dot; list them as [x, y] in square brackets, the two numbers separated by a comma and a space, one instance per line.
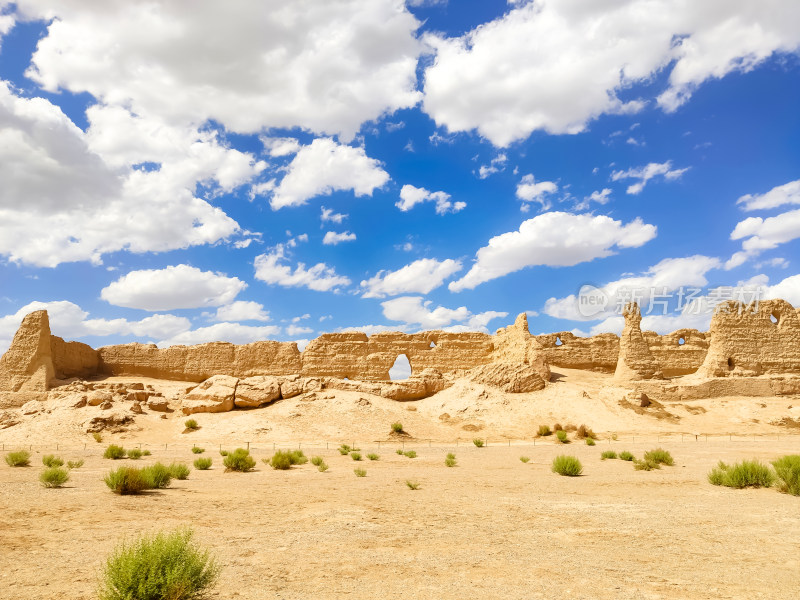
[27, 366]
[72, 359]
[215, 394]
[565, 349]
[509, 377]
[635, 360]
[260, 390]
[518, 363]
[756, 339]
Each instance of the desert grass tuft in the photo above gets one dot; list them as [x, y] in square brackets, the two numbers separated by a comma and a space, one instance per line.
[134, 453]
[568, 466]
[479, 443]
[558, 427]
[322, 467]
[524, 459]
[399, 451]
[608, 454]
[167, 565]
[584, 432]
[788, 471]
[645, 465]
[223, 453]
[344, 449]
[203, 464]
[197, 450]
[127, 480]
[54, 477]
[412, 485]
[114, 452]
[98, 437]
[157, 476]
[373, 456]
[360, 472]
[179, 471]
[544, 430]
[317, 460]
[625, 455]
[239, 460]
[410, 454]
[397, 427]
[660, 457]
[283, 460]
[589, 441]
[191, 424]
[75, 464]
[146, 453]
[748, 473]
[562, 436]
[51, 460]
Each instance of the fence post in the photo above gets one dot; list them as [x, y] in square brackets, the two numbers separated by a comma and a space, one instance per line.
[248, 446]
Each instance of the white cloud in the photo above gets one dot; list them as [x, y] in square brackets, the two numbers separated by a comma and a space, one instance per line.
[69, 321]
[280, 146]
[555, 239]
[333, 238]
[271, 269]
[555, 66]
[242, 310]
[599, 196]
[234, 333]
[301, 318]
[646, 173]
[496, 165]
[294, 330]
[421, 276]
[323, 167]
[413, 311]
[788, 193]
[788, 289]
[761, 234]
[327, 215]
[341, 63]
[410, 196]
[530, 191]
[174, 287]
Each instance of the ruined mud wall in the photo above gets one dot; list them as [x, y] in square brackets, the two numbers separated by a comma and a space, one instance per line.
[753, 340]
[72, 359]
[678, 353]
[27, 366]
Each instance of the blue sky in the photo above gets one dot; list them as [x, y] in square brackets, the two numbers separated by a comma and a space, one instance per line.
[264, 170]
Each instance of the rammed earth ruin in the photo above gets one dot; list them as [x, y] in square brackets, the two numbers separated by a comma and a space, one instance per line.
[750, 350]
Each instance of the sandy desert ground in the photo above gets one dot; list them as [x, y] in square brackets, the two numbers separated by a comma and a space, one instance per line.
[491, 527]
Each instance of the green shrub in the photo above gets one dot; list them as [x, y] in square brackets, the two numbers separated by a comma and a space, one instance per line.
[239, 460]
[355, 455]
[450, 462]
[322, 467]
[191, 424]
[544, 430]
[645, 465]
[54, 477]
[360, 472]
[97, 437]
[614, 436]
[127, 480]
[134, 453]
[159, 567]
[397, 427]
[373, 456]
[659, 456]
[74, 464]
[524, 459]
[625, 455]
[146, 453]
[202, 464]
[196, 450]
[179, 471]
[450, 455]
[748, 473]
[567, 465]
[344, 449]
[584, 432]
[281, 460]
[223, 453]
[608, 454]
[410, 454]
[298, 458]
[114, 452]
[562, 436]
[50, 460]
[589, 441]
[788, 470]
[412, 485]
[400, 451]
[157, 476]
[317, 461]
[20, 458]
[478, 442]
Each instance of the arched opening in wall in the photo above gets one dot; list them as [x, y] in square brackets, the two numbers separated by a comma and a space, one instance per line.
[775, 318]
[433, 345]
[681, 341]
[401, 369]
[558, 341]
[731, 364]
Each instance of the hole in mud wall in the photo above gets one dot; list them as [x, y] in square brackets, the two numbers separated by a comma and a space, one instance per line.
[775, 318]
[401, 369]
[731, 364]
[559, 342]
[433, 345]
[681, 341]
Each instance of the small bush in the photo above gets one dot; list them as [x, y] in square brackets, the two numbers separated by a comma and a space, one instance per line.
[567, 465]
[196, 450]
[397, 427]
[127, 480]
[317, 461]
[163, 566]
[524, 459]
[373, 456]
[659, 456]
[74, 464]
[284, 459]
[478, 442]
[54, 477]
[355, 455]
[584, 432]
[223, 453]
[157, 476]
[146, 453]
[344, 449]
[410, 454]
[97, 437]
[589, 441]
[788, 470]
[134, 453]
[614, 436]
[645, 465]
[608, 454]
[202, 464]
[179, 471]
[298, 458]
[191, 424]
[748, 473]
[544, 430]
[625, 455]
[239, 460]
[450, 462]
[399, 451]
[562, 436]
[412, 485]
[114, 452]
[50, 460]
[360, 472]
[557, 427]
[322, 467]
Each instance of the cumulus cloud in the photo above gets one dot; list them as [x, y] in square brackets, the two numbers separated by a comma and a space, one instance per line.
[70, 321]
[174, 287]
[555, 239]
[555, 66]
[235, 333]
[599, 196]
[271, 268]
[414, 311]
[531, 191]
[761, 234]
[788, 289]
[242, 310]
[332, 238]
[410, 196]
[324, 167]
[496, 165]
[421, 276]
[328, 215]
[341, 62]
[294, 330]
[280, 146]
[646, 173]
[788, 193]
